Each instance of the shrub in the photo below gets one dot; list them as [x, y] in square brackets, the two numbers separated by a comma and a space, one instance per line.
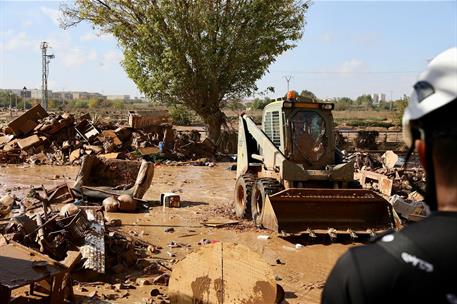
[81, 104]
[180, 115]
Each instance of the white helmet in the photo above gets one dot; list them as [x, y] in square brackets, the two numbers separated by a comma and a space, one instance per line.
[435, 88]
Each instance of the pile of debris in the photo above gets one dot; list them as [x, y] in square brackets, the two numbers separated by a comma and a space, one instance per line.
[388, 175]
[39, 137]
[65, 230]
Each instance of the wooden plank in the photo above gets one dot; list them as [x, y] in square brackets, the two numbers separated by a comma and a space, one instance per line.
[219, 223]
[222, 273]
[27, 121]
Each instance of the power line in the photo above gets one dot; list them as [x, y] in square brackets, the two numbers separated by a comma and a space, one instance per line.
[347, 72]
[288, 78]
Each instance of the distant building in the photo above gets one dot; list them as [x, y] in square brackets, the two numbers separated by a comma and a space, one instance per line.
[86, 95]
[375, 98]
[38, 94]
[118, 97]
[378, 98]
[62, 95]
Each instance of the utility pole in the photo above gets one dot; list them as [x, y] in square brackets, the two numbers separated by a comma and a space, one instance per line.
[45, 59]
[24, 93]
[391, 100]
[288, 78]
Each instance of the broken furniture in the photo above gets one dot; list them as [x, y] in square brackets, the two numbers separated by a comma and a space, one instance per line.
[86, 129]
[148, 119]
[21, 266]
[25, 123]
[60, 194]
[100, 177]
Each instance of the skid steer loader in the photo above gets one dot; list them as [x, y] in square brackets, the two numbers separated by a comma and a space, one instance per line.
[290, 180]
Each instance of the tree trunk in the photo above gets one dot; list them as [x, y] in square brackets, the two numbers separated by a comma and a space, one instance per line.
[214, 121]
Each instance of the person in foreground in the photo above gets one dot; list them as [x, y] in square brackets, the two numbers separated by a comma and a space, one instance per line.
[419, 263]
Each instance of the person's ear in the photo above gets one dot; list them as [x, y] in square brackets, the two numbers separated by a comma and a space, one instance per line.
[420, 148]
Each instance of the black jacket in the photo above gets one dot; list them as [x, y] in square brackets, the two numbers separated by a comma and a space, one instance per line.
[415, 265]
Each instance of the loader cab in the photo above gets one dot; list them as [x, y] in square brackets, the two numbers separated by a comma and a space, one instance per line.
[302, 131]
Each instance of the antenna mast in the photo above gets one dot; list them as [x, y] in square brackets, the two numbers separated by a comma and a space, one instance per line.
[45, 59]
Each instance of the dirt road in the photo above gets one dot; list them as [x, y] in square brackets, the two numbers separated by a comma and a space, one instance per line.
[207, 195]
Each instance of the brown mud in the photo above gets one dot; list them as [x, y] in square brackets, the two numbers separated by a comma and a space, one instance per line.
[206, 194]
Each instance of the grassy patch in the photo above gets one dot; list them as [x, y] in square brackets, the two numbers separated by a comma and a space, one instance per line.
[368, 123]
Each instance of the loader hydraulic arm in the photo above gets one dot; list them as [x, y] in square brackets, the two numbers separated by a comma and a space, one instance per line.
[271, 157]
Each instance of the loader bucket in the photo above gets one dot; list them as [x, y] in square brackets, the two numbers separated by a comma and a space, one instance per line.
[330, 211]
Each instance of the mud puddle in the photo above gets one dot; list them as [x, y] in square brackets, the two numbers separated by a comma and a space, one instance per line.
[206, 194]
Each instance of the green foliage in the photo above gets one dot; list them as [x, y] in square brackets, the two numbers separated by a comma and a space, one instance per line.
[343, 104]
[54, 104]
[259, 104]
[80, 104]
[234, 104]
[308, 95]
[28, 104]
[118, 104]
[105, 104]
[7, 98]
[368, 123]
[94, 103]
[199, 52]
[180, 115]
[364, 100]
[399, 107]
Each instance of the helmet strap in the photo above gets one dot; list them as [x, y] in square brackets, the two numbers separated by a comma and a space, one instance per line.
[408, 155]
[430, 192]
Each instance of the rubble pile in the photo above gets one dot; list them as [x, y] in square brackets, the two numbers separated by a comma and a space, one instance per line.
[55, 224]
[401, 184]
[67, 226]
[45, 138]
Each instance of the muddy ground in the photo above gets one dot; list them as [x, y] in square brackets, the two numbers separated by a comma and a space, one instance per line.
[206, 193]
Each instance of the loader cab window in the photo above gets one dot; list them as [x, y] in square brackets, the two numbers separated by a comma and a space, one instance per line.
[271, 127]
[309, 139]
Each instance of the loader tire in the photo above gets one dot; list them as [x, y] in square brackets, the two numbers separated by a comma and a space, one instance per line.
[263, 187]
[243, 193]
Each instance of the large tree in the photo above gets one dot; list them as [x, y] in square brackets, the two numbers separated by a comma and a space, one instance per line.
[196, 52]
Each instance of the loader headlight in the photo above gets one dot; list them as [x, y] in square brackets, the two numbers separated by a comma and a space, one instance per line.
[287, 105]
[327, 106]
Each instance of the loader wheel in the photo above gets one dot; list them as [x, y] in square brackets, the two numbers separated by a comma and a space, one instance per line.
[243, 192]
[263, 187]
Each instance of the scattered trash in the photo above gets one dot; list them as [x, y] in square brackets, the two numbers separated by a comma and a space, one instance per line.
[204, 242]
[263, 237]
[219, 223]
[6, 203]
[170, 199]
[162, 279]
[127, 203]
[111, 204]
[115, 223]
[410, 210]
